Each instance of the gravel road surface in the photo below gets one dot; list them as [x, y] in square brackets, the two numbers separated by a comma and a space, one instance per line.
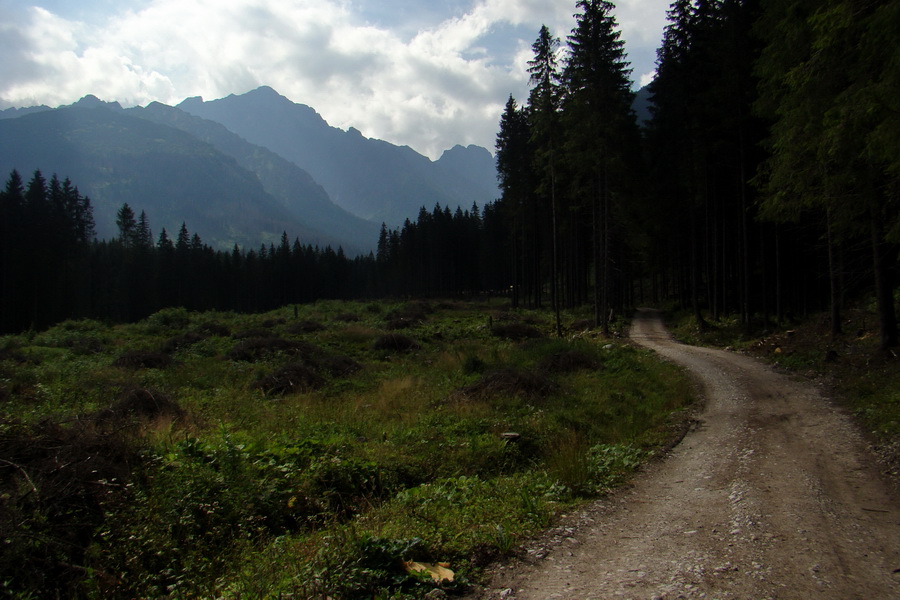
[774, 494]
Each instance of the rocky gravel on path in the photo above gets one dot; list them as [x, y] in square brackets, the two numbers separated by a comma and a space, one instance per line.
[773, 494]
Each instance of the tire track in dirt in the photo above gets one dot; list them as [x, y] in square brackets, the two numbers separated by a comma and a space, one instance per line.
[774, 495]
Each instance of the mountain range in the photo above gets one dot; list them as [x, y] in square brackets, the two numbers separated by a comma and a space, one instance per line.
[240, 170]
[371, 178]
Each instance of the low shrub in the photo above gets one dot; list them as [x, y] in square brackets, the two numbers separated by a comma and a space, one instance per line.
[213, 329]
[395, 342]
[254, 332]
[182, 341]
[569, 361]
[415, 312]
[337, 365]
[509, 382]
[292, 378]
[168, 319]
[57, 482]
[85, 345]
[610, 464]
[256, 348]
[306, 326]
[347, 317]
[137, 359]
[516, 331]
[143, 404]
[400, 323]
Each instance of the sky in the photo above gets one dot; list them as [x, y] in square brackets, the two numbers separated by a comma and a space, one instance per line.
[429, 74]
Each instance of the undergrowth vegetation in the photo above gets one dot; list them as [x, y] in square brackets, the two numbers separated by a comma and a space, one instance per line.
[310, 452]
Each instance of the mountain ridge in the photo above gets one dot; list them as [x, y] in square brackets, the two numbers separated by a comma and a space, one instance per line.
[326, 185]
[371, 178]
[116, 158]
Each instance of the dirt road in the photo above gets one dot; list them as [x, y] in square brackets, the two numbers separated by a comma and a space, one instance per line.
[773, 495]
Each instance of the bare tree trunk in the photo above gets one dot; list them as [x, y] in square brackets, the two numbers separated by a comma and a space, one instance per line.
[595, 226]
[884, 286]
[554, 290]
[833, 281]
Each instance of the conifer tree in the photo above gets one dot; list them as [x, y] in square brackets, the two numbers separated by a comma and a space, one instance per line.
[826, 75]
[600, 127]
[543, 102]
[514, 160]
[143, 236]
[127, 225]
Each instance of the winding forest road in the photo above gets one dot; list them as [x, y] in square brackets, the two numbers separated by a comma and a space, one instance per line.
[773, 495]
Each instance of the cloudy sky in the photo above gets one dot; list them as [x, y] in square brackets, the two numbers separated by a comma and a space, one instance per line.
[426, 73]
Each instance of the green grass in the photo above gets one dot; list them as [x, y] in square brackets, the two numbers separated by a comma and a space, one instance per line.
[222, 489]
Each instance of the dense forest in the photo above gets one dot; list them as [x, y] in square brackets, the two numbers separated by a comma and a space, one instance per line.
[765, 185]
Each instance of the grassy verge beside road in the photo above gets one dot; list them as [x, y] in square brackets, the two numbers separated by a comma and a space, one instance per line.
[327, 450]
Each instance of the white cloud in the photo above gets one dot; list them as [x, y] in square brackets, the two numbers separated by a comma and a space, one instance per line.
[444, 84]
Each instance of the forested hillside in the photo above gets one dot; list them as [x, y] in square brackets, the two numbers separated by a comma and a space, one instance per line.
[765, 185]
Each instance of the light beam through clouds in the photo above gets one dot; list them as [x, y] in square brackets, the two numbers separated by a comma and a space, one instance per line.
[425, 74]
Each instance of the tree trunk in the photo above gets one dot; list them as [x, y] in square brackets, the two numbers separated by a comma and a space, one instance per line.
[884, 286]
[833, 281]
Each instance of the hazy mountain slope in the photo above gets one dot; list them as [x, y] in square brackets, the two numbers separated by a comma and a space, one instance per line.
[115, 158]
[291, 186]
[13, 113]
[370, 178]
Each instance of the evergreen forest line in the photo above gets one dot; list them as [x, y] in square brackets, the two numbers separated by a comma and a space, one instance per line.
[137, 274]
[764, 185]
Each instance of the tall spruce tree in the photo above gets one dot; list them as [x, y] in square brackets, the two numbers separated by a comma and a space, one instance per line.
[514, 160]
[127, 225]
[544, 103]
[600, 127]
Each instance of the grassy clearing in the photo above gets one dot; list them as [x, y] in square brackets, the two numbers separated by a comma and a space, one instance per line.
[308, 455]
[863, 378]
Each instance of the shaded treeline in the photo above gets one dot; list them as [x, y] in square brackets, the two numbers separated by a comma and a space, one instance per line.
[52, 268]
[46, 233]
[773, 156]
[569, 167]
[768, 181]
[765, 185]
[442, 252]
